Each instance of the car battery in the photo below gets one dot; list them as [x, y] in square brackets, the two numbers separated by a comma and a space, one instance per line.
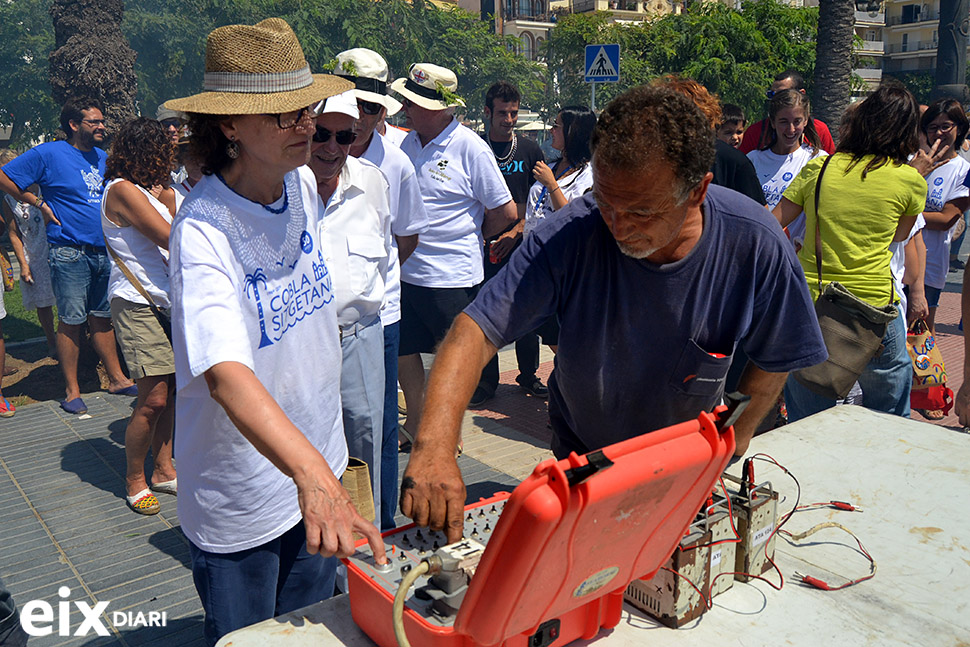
[724, 546]
[756, 508]
[669, 596]
[549, 563]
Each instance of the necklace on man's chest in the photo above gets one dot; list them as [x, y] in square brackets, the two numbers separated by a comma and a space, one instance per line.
[502, 161]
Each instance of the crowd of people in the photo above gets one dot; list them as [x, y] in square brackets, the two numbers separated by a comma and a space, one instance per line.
[276, 254]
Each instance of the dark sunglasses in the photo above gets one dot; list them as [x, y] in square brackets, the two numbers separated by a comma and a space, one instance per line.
[343, 137]
[369, 107]
[171, 123]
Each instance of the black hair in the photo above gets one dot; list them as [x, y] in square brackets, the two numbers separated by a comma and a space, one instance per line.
[884, 126]
[577, 130]
[503, 91]
[658, 123]
[952, 109]
[731, 114]
[73, 111]
[791, 99]
[797, 82]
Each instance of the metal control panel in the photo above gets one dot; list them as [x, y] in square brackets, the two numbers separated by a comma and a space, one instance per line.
[407, 546]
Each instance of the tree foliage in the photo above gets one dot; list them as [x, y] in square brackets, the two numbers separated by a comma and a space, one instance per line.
[733, 53]
[26, 40]
[170, 38]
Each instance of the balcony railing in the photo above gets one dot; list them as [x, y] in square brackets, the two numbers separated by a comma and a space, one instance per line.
[872, 46]
[862, 16]
[868, 74]
[930, 16]
[512, 14]
[915, 46]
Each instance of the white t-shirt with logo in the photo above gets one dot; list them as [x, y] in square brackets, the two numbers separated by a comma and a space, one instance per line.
[408, 216]
[459, 180]
[943, 184]
[250, 286]
[539, 205]
[776, 172]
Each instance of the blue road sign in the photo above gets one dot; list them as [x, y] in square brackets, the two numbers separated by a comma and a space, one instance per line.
[602, 63]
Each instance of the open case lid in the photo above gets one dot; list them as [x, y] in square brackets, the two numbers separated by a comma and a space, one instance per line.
[585, 526]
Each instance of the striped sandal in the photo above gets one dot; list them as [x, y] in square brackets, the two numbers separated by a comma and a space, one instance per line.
[144, 502]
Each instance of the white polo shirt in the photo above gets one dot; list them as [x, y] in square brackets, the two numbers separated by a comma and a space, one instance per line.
[459, 180]
[408, 216]
[395, 135]
[355, 239]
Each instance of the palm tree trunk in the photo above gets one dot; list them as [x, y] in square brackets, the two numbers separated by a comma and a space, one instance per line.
[833, 60]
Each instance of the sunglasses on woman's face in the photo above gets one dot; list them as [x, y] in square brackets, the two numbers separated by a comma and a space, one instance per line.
[369, 107]
[343, 137]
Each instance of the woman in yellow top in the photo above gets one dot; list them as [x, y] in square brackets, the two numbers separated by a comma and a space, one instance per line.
[869, 198]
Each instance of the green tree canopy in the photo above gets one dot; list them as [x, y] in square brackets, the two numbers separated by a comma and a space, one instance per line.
[170, 35]
[733, 53]
[26, 40]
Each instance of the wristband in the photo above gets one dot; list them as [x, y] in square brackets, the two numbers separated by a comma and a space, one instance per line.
[38, 202]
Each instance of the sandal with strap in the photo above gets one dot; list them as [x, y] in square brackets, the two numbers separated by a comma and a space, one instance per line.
[144, 502]
[933, 415]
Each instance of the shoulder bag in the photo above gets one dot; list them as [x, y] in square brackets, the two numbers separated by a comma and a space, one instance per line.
[851, 328]
[163, 318]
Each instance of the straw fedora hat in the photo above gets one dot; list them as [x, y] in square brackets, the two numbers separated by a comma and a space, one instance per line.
[367, 69]
[425, 84]
[257, 69]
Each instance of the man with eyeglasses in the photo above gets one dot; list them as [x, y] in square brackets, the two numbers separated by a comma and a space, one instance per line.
[356, 241]
[368, 71]
[758, 134]
[70, 175]
[467, 201]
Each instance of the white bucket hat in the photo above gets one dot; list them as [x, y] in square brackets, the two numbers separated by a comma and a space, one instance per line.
[368, 71]
[430, 86]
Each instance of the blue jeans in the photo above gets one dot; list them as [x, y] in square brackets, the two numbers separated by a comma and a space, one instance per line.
[12, 634]
[248, 586]
[79, 276]
[886, 380]
[392, 340]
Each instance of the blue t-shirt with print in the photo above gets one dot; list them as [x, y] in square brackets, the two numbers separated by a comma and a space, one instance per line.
[645, 346]
[72, 182]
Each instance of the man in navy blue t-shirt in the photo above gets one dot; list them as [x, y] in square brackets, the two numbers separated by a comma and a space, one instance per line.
[656, 279]
[71, 177]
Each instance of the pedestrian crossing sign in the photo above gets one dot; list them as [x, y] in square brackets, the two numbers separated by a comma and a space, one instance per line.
[602, 63]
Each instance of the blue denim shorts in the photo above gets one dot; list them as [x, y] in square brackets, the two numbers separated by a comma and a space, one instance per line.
[79, 276]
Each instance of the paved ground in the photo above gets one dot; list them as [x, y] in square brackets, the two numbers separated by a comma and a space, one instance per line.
[63, 522]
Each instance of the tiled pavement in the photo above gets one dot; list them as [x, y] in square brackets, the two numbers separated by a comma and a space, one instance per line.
[63, 522]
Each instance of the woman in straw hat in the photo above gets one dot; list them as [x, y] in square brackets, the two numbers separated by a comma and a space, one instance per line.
[260, 443]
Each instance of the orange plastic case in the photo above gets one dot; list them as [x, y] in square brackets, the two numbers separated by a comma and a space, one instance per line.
[569, 540]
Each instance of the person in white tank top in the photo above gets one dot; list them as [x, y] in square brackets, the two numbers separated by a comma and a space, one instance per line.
[136, 227]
